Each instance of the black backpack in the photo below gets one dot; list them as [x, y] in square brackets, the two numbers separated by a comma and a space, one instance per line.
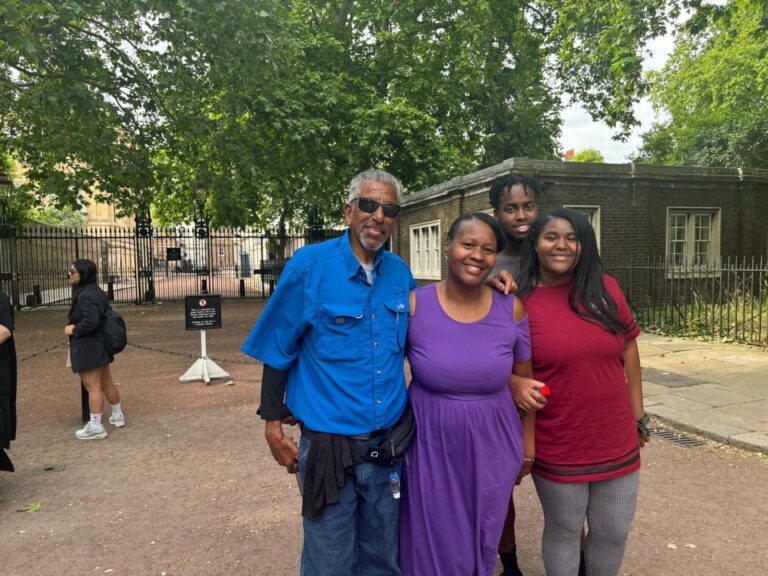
[114, 331]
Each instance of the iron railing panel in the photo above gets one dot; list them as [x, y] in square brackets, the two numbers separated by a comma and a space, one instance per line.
[134, 264]
[727, 299]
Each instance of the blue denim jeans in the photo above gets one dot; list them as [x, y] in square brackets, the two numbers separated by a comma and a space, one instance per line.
[359, 535]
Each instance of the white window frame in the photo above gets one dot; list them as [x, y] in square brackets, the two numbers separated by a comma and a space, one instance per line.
[426, 250]
[683, 224]
[592, 213]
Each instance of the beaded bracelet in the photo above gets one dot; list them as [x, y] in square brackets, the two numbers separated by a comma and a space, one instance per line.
[642, 425]
[531, 460]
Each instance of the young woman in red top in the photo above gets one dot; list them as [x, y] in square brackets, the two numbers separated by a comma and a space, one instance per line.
[589, 435]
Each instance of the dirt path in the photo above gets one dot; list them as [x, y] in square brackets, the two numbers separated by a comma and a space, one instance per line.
[188, 486]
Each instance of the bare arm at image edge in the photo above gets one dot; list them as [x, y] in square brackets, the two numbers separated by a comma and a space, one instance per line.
[6, 318]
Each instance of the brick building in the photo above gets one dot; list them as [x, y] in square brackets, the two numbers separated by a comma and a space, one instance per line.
[687, 215]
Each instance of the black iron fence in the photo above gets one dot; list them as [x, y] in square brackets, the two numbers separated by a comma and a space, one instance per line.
[726, 300]
[146, 263]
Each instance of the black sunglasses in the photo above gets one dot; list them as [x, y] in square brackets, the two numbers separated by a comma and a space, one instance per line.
[369, 206]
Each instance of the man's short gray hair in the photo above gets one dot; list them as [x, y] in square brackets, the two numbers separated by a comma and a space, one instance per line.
[356, 185]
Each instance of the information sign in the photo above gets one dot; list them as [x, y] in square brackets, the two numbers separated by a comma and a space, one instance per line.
[202, 311]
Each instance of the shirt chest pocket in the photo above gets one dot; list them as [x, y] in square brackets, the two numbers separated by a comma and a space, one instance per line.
[341, 332]
[397, 322]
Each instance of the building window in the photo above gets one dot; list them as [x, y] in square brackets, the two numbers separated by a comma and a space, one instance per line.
[592, 214]
[425, 250]
[693, 236]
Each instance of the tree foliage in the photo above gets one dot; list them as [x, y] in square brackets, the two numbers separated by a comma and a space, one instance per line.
[588, 155]
[262, 110]
[60, 217]
[20, 204]
[600, 48]
[713, 91]
[71, 93]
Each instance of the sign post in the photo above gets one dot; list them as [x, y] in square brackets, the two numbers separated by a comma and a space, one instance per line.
[201, 312]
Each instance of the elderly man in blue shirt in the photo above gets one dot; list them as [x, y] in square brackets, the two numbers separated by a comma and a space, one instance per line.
[332, 340]
[332, 337]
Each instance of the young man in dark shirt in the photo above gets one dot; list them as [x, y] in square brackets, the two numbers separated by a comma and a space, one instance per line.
[513, 198]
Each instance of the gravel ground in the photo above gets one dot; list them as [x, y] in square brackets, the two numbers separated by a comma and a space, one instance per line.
[189, 487]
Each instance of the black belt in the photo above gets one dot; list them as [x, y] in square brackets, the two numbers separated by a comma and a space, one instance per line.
[372, 434]
[365, 436]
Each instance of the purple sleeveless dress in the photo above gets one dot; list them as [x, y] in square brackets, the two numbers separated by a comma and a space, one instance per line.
[469, 442]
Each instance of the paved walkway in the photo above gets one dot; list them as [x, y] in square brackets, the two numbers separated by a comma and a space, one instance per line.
[714, 389]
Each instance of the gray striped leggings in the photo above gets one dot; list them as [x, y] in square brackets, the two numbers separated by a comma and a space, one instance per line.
[608, 507]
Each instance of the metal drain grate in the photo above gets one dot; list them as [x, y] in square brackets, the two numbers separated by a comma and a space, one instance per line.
[677, 438]
[669, 379]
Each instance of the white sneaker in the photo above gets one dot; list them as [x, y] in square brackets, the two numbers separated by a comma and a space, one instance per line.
[117, 420]
[89, 432]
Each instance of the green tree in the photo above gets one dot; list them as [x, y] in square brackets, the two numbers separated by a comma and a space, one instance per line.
[19, 204]
[265, 108]
[232, 109]
[65, 217]
[430, 90]
[600, 47]
[588, 155]
[713, 91]
[71, 96]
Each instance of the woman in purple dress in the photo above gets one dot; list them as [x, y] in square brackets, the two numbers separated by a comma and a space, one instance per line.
[464, 340]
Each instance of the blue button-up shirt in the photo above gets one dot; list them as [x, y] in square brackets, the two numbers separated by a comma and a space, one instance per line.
[341, 339]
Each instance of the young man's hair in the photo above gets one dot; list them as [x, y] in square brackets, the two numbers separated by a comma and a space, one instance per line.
[506, 182]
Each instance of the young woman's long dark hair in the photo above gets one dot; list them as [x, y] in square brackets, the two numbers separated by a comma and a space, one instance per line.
[588, 297]
[87, 271]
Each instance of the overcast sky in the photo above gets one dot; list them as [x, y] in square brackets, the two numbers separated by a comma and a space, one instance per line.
[580, 132]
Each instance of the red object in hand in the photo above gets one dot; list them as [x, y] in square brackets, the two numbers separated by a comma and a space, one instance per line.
[545, 391]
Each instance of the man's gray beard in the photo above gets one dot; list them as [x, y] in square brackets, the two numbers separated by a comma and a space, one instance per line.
[371, 246]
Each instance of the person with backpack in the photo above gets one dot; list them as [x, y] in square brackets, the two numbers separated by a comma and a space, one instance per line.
[89, 355]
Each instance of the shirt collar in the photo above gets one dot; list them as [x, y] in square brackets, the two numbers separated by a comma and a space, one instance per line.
[352, 263]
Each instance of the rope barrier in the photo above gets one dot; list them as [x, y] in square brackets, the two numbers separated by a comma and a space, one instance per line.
[41, 352]
[188, 355]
